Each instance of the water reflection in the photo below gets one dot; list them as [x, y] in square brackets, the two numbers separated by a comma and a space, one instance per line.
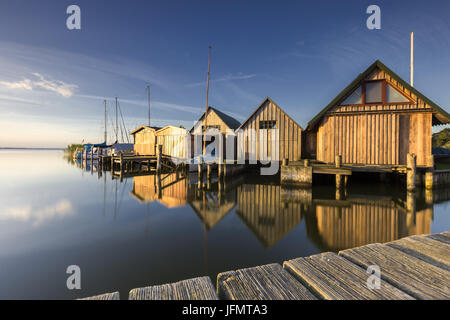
[270, 211]
[137, 230]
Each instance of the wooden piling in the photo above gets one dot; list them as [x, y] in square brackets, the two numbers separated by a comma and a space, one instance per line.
[220, 170]
[208, 172]
[199, 168]
[339, 181]
[158, 157]
[411, 172]
[411, 202]
[429, 180]
[338, 161]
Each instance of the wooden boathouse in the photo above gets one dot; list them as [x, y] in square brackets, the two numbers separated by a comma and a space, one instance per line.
[145, 140]
[174, 141]
[267, 127]
[215, 120]
[377, 120]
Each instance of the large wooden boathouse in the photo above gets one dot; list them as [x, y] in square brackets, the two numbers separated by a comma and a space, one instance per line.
[376, 120]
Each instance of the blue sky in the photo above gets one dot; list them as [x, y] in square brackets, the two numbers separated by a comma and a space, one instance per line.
[300, 53]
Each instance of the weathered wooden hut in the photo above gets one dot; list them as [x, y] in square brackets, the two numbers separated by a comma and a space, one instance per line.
[376, 120]
[269, 127]
[174, 141]
[217, 120]
[145, 140]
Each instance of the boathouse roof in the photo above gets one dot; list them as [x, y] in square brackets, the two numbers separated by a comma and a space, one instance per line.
[441, 116]
[231, 122]
[144, 127]
[260, 106]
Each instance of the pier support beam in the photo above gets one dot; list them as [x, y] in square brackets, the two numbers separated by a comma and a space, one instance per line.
[429, 180]
[339, 181]
[199, 172]
[208, 172]
[411, 172]
[158, 158]
[338, 161]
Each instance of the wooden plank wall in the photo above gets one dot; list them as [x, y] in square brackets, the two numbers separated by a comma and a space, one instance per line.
[288, 142]
[174, 141]
[376, 139]
[260, 206]
[376, 134]
[212, 120]
[144, 142]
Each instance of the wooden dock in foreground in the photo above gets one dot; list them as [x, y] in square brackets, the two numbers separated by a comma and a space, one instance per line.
[415, 267]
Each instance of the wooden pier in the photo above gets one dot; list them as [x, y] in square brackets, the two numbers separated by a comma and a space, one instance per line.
[415, 267]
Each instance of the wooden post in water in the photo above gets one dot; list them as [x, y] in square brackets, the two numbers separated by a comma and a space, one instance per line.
[429, 174]
[158, 158]
[411, 172]
[92, 158]
[220, 171]
[200, 173]
[121, 163]
[410, 202]
[338, 161]
[158, 180]
[429, 180]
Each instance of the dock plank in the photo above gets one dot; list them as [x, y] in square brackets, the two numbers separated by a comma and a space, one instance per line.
[192, 289]
[426, 249]
[411, 275]
[106, 296]
[268, 282]
[443, 237]
[334, 278]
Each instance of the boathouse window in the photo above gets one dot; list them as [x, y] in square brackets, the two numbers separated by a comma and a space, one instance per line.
[374, 92]
[211, 127]
[268, 124]
[354, 98]
[393, 96]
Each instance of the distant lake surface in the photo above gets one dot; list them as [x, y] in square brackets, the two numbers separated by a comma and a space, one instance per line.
[128, 234]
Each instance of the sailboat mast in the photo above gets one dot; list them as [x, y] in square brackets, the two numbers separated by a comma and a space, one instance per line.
[117, 124]
[106, 133]
[148, 89]
[206, 108]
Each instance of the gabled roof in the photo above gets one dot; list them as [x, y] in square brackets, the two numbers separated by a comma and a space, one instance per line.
[231, 122]
[170, 126]
[144, 127]
[260, 106]
[444, 116]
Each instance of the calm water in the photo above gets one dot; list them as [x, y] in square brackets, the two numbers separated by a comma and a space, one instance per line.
[126, 234]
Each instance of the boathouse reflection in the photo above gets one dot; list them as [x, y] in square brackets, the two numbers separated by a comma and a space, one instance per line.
[270, 211]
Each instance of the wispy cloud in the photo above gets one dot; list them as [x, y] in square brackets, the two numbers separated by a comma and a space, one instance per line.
[24, 84]
[227, 77]
[154, 104]
[60, 87]
[9, 98]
